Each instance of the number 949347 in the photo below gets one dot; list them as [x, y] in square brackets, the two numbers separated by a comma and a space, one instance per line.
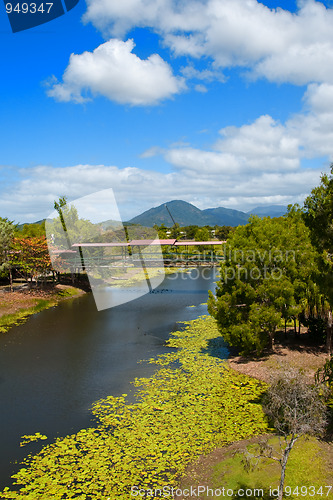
[28, 8]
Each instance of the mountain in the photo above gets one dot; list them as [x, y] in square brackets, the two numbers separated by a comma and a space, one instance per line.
[268, 211]
[227, 216]
[186, 214]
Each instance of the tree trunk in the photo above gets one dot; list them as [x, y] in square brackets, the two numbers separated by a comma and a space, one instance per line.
[329, 339]
[10, 278]
[271, 340]
[284, 465]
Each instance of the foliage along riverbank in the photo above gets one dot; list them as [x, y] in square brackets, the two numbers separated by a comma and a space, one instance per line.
[17, 307]
[192, 404]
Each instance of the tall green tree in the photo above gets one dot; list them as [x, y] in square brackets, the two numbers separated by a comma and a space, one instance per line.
[68, 227]
[31, 230]
[7, 229]
[267, 266]
[202, 234]
[222, 232]
[318, 216]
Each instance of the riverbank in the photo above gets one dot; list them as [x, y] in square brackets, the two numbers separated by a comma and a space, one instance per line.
[191, 405]
[311, 461]
[299, 354]
[17, 306]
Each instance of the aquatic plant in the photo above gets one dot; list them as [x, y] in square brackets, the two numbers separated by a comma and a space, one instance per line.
[192, 404]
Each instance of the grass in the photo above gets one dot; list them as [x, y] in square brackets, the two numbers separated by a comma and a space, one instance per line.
[68, 292]
[18, 317]
[7, 321]
[307, 471]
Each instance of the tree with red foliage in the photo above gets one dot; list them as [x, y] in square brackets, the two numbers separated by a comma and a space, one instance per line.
[30, 257]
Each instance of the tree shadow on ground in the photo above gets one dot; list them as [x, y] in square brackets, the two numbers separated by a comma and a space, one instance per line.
[302, 344]
[217, 348]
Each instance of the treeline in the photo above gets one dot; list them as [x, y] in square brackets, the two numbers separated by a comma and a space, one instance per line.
[274, 270]
[23, 251]
[193, 232]
[277, 270]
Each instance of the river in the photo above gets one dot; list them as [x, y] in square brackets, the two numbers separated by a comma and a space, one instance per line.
[53, 367]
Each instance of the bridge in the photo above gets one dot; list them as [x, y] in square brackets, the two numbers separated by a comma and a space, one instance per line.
[174, 253]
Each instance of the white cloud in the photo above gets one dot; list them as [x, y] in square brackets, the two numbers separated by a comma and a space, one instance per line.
[207, 162]
[112, 70]
[137, 190]
[314, 128]
[201, 88]
[264, 145]
[117, 18]
[208, 75]
[153, 151]
[259, 162]
[273, 43]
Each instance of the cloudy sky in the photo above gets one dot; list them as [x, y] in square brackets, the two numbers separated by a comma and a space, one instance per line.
[216, 102]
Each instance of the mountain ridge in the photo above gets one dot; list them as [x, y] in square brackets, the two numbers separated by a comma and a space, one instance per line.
[187, 214]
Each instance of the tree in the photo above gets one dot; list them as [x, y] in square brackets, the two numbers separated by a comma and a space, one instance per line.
[30, 257]
[324, 376]
[7, 229]
[175, 231]
[161, 231]
[202, 234]
[318, 216]
[296, 410]
[223, 232]
[68, 228]
[268, 265]
[31, 230]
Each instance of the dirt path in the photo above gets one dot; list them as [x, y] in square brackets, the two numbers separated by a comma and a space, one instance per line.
[297, 354]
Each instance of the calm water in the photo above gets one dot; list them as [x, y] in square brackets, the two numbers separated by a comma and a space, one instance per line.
[63, 359]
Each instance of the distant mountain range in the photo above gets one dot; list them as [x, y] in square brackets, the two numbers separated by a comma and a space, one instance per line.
[186, 214]
[269, 211]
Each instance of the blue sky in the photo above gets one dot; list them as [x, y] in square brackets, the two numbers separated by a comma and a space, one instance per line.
[216, 102]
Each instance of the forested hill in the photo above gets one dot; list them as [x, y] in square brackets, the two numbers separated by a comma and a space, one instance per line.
[186, 214]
